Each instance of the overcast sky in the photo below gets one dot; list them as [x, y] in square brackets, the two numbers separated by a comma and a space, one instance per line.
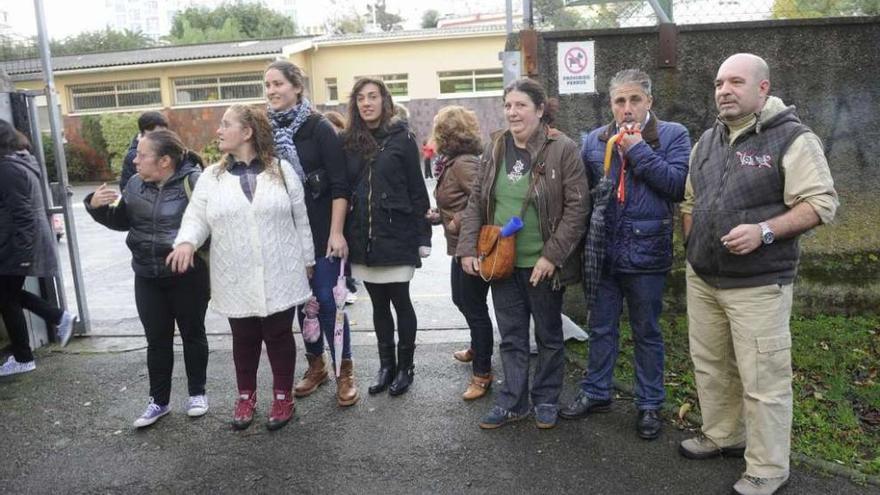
[68, 17]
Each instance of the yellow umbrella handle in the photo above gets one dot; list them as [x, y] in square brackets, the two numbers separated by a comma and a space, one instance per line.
[609, 149]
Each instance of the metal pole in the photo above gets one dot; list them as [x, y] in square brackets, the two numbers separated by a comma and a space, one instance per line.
[61, 164]
[508, 9]
[528, 16]
[661, 14]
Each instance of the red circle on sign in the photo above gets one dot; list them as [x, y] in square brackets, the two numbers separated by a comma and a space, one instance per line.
[576, 60]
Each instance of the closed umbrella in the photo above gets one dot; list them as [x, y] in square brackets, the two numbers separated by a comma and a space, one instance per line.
[340, 293]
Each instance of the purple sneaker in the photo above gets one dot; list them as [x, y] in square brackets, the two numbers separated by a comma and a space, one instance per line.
[152, 414]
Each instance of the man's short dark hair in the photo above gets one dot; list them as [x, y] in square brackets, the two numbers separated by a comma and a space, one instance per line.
[149, 121]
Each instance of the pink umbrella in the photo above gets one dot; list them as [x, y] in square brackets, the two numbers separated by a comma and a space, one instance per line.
[340, 292]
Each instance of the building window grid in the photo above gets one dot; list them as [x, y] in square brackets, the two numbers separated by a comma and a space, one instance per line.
[120, 94]
[480, 81]
[332, 89]
[214, 88]
[397, 84]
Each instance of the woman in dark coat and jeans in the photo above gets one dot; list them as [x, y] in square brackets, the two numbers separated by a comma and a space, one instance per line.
[309, 142]
[150, 209]
[386, 229]
[27, 248]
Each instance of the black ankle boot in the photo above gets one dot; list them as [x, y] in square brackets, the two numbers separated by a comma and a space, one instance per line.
[387, 369]
[405, 370]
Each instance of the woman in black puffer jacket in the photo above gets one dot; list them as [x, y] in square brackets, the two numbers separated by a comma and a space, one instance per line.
[386, 230]
[150, 209]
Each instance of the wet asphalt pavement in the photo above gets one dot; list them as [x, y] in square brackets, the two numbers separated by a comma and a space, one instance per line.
[66, 428]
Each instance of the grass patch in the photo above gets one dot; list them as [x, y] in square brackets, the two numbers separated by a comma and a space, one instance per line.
[836, 384]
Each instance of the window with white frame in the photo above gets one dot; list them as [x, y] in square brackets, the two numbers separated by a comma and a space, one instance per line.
[217, 88]
[332, 89]
[397, 84]
[109, 95]
[471, 82]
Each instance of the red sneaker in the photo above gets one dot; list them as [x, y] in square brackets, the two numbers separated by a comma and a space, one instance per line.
[282, 410]
[244, 410]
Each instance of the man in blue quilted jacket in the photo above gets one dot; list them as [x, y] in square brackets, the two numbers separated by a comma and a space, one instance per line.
[648, 171]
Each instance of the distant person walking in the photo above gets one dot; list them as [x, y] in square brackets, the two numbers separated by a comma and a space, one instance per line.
[27, 249]
[151, 209]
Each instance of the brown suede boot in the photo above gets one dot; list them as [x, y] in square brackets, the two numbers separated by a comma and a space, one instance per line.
[315, 376]
[478, 386]
[346, 390]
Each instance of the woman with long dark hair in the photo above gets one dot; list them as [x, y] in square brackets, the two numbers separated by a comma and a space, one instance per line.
[251, 205]
[150, 209]
[386, 229]
[27, 248]
[535, 172]
[309, 142]
[457, 138]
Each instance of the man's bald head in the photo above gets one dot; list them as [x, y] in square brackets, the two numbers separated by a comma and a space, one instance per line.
[741, 86]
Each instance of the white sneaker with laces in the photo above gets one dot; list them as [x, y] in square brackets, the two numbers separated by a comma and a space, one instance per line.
[65, 328]
[196, 406]
[13, 367]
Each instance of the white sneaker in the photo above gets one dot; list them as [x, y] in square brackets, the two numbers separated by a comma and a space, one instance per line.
[65, 328]
[196, 406]
[13, 367]
[351, 298]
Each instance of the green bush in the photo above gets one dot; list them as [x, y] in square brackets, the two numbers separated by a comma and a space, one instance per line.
[211, 154]
[49, 154]
[83, 162]
[92, 133]
[118, 129]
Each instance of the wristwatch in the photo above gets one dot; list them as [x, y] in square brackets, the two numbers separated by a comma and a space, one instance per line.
[767, 235]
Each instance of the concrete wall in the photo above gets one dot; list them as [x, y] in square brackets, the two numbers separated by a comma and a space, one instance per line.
[827, 68]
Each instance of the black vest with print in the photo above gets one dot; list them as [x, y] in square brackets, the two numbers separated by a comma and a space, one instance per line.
[742, 183]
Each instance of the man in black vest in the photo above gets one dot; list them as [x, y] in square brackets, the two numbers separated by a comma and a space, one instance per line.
[757, 180]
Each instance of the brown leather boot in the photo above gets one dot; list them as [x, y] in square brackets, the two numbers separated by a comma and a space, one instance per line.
[464, 355]
[478, 386]
[346, 391]
[315, 376]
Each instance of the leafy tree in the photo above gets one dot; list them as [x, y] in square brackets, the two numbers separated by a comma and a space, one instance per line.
[348, 24]
[229, 22]
[106, 40]
[384, 19]
[430, 18]
[554, 13]
[783, 9]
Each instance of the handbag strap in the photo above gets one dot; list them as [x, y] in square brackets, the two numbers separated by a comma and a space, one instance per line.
[533, 178]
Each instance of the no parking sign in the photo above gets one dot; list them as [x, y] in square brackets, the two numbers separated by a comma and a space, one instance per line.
[576, 64]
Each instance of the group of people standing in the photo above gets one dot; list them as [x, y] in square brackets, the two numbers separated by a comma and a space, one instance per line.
[294, 197]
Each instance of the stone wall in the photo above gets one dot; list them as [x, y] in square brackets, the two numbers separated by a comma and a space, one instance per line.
[827, 68]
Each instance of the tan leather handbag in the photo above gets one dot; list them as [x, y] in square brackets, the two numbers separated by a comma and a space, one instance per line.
[496, 253]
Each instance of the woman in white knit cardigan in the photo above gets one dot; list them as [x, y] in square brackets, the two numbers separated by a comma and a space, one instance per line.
[253, 208]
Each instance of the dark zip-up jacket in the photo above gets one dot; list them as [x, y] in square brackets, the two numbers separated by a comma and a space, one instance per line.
[561, 195]
[128, 167]
[639, 231]
[386, 223]
[27, 244]
[151, 215]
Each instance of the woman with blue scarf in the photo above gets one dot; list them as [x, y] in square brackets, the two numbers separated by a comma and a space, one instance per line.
[309, 142]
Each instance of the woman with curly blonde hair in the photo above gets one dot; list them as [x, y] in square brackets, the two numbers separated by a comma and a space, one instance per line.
[252, 206]
[457, 138]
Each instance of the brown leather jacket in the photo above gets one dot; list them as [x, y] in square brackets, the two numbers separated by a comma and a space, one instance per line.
[562, 196]
[452, 192]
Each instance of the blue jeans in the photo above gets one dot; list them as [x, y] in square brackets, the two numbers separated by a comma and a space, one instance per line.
[469, 296]
[516, 302]
[322, 283]
[644, 298]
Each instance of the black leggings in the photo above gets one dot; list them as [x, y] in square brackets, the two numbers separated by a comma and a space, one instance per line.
[13, 298]
[383, 296]
[160, 303]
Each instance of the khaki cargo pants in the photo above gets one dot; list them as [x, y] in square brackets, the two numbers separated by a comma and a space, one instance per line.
[740, 344]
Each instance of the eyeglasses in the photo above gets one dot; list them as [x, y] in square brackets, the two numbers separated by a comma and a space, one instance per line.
[141, 156]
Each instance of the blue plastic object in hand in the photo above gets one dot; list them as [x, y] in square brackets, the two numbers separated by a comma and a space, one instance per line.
[514, 225]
